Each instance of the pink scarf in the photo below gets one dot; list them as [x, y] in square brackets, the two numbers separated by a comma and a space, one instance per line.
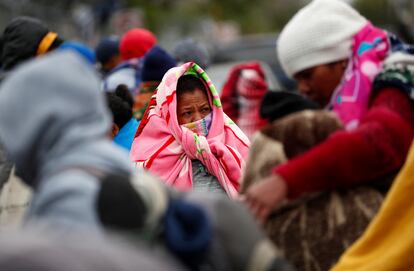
[166, 148]
[350, 99]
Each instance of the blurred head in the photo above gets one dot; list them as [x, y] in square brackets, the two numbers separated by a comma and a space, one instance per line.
[155, 64]
[24, 38]
[120, 104]
[319, 82]
[315, 41]
[192, 100]
[251, 83]
[107, 53]
[136, 42]
[189, 50]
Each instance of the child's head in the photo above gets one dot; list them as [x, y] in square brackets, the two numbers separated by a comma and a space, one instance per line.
[120, 104]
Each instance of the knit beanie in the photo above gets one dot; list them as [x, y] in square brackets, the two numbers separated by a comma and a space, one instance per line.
[189, 50]
[22, 38]
[319, 33]
[136, 42]
[106, 49]
[278, 104]
[156, 63]
[187, 232]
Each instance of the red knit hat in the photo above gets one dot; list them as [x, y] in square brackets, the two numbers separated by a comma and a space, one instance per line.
[136, 42]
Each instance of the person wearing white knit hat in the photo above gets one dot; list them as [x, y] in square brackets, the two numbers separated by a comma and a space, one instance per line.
[337, 56]
[318, 34]
[317, 43]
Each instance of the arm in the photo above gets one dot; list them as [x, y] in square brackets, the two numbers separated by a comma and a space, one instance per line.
[377, 147]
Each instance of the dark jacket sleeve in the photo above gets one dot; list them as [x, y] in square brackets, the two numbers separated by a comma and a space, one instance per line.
[377, 147]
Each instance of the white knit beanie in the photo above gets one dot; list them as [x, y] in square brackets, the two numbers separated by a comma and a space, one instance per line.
[319, 33]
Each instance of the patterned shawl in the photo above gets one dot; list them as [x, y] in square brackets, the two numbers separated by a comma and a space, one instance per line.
[350, 100]
[165, 148]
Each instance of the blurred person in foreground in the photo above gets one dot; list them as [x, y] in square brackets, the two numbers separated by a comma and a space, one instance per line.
[39, 251]
[62, 148]
[388, 242]
[23, 38]
[186, 139]
[336, 55]
[83, 187]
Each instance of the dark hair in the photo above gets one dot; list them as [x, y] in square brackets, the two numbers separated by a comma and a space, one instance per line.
[121, 110]
[123, 92]
[188, 83]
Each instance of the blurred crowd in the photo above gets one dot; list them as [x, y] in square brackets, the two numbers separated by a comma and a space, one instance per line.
[136, 161]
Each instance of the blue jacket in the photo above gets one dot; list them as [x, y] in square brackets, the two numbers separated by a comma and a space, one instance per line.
[126, 134]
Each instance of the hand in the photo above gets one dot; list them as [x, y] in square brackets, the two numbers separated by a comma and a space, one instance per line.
[263, 197]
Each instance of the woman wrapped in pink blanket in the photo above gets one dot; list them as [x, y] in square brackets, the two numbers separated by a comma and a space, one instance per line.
[185, 137]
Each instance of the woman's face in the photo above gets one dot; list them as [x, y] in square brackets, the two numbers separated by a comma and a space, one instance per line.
[192, 106]
[318, 83]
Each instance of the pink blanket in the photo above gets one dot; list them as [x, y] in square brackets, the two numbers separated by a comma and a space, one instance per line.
[166, 148]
